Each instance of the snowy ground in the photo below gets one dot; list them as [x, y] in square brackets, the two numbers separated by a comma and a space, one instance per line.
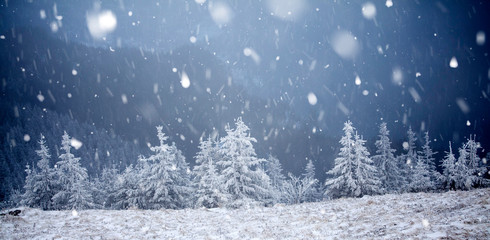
[458, 215]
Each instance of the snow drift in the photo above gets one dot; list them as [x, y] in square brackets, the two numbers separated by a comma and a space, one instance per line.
[460, 215]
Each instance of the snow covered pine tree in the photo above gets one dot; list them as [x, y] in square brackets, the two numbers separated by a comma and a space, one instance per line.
[391, 176]
[353, 174]
[245, 183]
[72, 180]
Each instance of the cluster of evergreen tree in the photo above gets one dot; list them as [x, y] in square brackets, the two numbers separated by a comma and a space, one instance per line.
[228, 173]
[65, 186]
[356, 173]
[19, 134]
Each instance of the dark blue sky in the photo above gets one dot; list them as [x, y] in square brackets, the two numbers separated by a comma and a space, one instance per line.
[401, 55]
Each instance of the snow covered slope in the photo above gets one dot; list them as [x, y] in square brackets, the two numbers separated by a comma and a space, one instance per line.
[459, 215]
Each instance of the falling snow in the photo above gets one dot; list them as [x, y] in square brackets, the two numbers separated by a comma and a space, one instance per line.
[27, 138]
[249, 52]
[397, 76]
[101, 23]
[389, 3]
[345, 45]
[40, 97]
[220, 12]
[463, 105]
[453, 63]
[312, 99]
[369, 10]
[480, 38]
[357, 81]
[184, 80]
[76, 143]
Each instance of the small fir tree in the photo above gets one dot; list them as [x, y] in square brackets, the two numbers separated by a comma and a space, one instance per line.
[448, 177]
[391, 176]
[427, 156]
[353, 174]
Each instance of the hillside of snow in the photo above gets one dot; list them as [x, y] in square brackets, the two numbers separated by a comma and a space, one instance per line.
[459, 215]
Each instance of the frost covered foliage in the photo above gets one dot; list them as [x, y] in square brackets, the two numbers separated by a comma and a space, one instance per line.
[244, 182]
[469, 169]
[297, 190]
[207, 181]
[40, 184]
[313, 194]
[354, 174]
[100, 148]
[273, 168]
[228, 173]
[104, 188]
[386, 162]
[65, 187]
[448, 176]
[164, 177]
[425, 176]
[427, 155]
[409, 159]
[72, 180]
[127, 192]
[421, 181]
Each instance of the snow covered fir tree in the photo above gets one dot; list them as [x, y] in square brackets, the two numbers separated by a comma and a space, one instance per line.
[389, 169]
[244, 182]
[207, 181]
[72, 180]
[40, 184]
[354, 174]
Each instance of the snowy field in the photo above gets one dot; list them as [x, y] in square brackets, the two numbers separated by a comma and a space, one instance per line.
[453, 215]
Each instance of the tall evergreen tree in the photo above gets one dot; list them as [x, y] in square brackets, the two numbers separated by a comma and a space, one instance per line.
[182, 187]
[469, 168]
[128, 192]
[421, 181]
[343, 181]
[365, 171]
[243, 180]
[353, 174]
[29, 197]
[462, 179]
[39, 187]
[207, 181]
[274, 170]
[312, 194]
[391, 176]
[427, 156]
[45, 180]
[164, 176]
[448, 177]
[474, 162]
[104, 187]
[409, 159]
[72, 179]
